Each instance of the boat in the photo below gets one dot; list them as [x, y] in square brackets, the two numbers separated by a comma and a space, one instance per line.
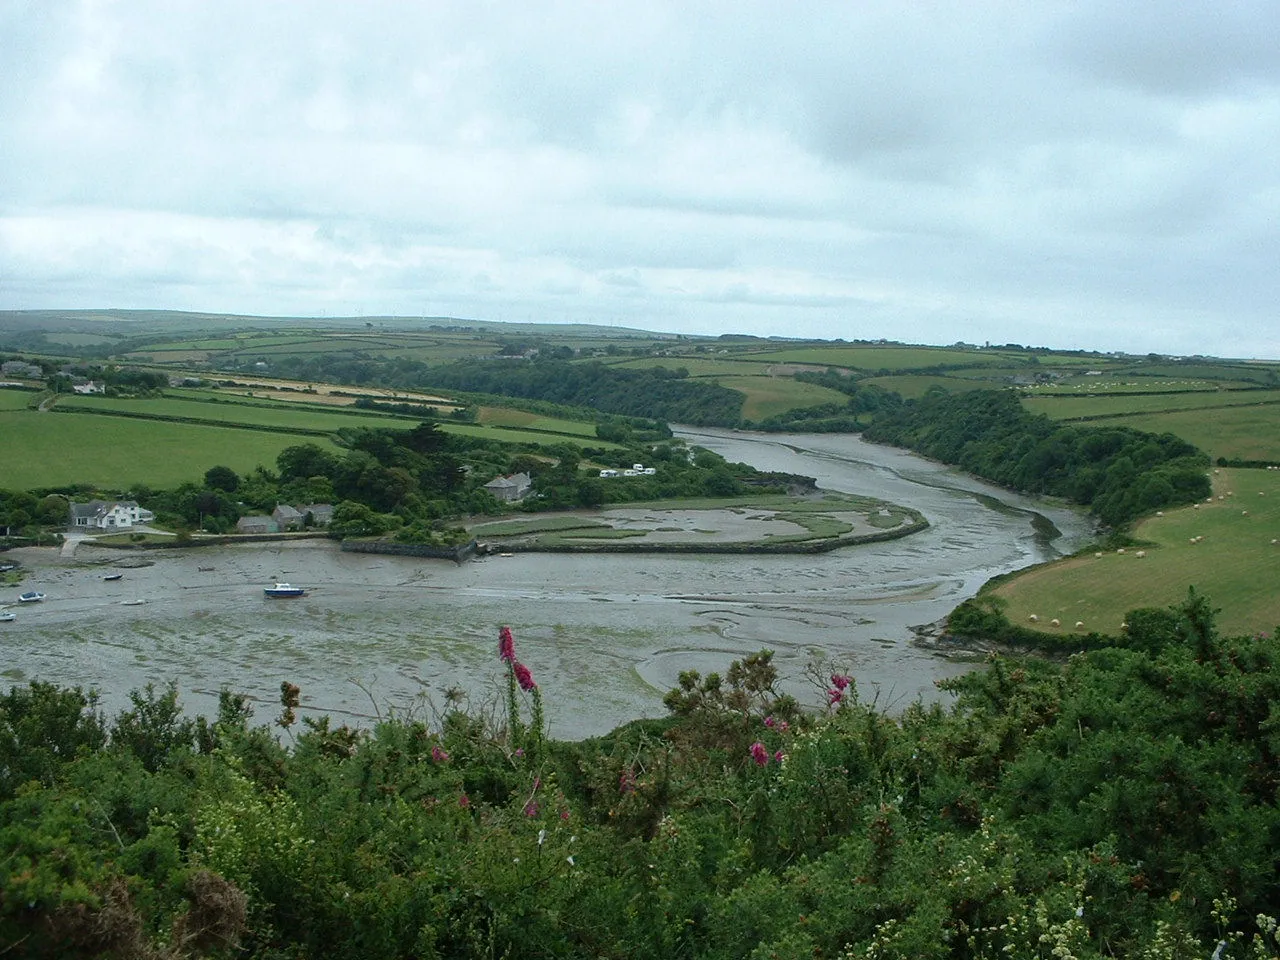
[7, 617]
[284, 590]
[132, 603]
[113, 576]
[32, 596]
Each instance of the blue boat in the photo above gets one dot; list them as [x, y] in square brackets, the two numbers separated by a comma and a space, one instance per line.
[284, 590]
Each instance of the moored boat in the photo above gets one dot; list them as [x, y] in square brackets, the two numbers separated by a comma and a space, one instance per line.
[32, 596]
[113, 576]
[7, 616]
[284, 590]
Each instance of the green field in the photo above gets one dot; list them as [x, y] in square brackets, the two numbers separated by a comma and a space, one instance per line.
[889, 358]
[1074, 406]
[510, 417]
[700, 366]
[1233, 565]
[16, 399]
[769, 396]
[116, 453]
[1244, 433]
[261, 413]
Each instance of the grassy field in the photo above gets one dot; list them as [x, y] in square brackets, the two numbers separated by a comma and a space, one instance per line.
[700, 366]
[1074, 406]
[509, 417]
[16, 399]
[769, 396]
[873, 358]
[1245, 433]
[1233, 565]
[258, 414]
[116, 453]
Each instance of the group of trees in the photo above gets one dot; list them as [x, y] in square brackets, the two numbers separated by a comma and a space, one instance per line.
[1118, 472]
[1120, 804]
[417, 481]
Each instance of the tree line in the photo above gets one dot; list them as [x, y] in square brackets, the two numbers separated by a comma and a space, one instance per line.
[1119, 473]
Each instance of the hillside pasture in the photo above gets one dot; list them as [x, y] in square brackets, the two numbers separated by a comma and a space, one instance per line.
[867, 357]
[261, 414]
[509, 417]
[117, 453]
[1228, 566]
[770, 396]
[914, 386]
[17, 399]
[699, 366]
[1236, 433]
[1075, 407]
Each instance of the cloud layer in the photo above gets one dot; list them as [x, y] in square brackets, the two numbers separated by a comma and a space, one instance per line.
[1097, 175]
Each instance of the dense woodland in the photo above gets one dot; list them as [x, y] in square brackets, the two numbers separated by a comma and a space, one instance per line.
[1119, 804]
[1119, 473]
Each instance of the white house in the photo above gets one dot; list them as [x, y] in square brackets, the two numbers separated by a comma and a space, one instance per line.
[109, 515]
[89, 386]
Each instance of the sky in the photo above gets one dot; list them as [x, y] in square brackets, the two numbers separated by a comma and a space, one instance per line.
[1096, 175]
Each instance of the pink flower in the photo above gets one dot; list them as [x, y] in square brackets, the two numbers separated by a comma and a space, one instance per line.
[784, 726]
[438, 754]
[834, 697]
[506, 645]
[778, 756]
[523, 676]
[464, 801]
[759, 754]
[839, 681]
[531, 808]
[627, 782]
[564, 814]
[519, 751]
[769, 721]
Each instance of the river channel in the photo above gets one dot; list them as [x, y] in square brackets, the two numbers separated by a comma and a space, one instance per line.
[606, 635]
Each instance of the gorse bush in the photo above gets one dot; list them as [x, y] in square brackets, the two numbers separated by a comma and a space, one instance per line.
[1119, 804]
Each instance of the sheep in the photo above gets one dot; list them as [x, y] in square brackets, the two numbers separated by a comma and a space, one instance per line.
[1079, 624]
[1274, 542]
[1159, 513]
[1055, 622]
[1195, 506]
[1098, 555]
[1141, 553]
[1244, 513]
[1121, 550]
[1033, 618]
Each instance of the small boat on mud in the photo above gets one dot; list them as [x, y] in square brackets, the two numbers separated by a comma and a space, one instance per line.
[284, 590]
[132, 603]
[7, 616]
[32, 596]
[113, 576]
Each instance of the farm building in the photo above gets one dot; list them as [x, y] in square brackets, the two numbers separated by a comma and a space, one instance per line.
[511, 487]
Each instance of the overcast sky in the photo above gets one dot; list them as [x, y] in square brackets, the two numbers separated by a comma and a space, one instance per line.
[1102, 175]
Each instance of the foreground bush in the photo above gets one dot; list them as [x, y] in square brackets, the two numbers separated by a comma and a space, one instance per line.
[1122, 804]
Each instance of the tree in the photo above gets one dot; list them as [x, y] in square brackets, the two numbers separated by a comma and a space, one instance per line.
[222, 478]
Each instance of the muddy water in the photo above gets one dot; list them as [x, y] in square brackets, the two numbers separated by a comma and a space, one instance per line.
[605, 635]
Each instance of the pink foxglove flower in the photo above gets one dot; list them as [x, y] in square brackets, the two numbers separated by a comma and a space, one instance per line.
[439, 755]
[506, 645]
[524, 676]
[778, 755]
[835, 697]
[769, 722]
[840, 681]
[759, 754]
